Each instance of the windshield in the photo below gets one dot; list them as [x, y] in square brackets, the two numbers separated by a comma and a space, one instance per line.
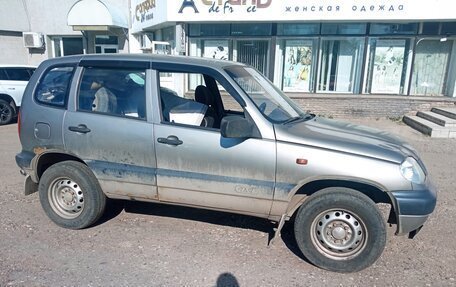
[271, 102]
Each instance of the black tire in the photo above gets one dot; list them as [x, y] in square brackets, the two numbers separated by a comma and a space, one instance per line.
[340, 229]
[7, 113]
[71, 195]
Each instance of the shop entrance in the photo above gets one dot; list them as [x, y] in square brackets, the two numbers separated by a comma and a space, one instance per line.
[254, 53]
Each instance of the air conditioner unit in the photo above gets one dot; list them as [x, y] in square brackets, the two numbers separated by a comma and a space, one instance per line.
[33, 40]
[145, 41]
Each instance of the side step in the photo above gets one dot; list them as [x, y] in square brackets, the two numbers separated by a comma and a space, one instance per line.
[437, 118]
[447, 112]
[430, 128]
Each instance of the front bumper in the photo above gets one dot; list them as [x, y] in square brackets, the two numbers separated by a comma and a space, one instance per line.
[413, 207]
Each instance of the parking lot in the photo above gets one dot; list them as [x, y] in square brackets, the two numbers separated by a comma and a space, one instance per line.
[145, 244]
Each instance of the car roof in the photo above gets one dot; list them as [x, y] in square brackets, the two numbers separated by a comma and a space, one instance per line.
[189, 60]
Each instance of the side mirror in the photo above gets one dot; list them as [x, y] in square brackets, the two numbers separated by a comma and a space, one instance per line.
[236, 127]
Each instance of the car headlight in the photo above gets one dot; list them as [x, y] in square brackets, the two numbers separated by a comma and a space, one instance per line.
[412, 171]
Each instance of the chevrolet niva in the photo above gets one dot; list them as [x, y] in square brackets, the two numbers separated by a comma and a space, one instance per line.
[216, 135]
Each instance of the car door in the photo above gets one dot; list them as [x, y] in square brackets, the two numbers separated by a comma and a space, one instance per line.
[197, 166]
[116, 142]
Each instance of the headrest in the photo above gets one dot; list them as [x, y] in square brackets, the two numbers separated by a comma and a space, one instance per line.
[203, 95]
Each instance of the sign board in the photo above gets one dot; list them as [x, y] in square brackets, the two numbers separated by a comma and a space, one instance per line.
[149, 13]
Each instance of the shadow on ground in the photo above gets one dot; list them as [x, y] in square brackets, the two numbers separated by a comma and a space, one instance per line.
[115, 207]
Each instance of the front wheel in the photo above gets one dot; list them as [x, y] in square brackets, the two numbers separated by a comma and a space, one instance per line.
[71, 195]
[340, 230]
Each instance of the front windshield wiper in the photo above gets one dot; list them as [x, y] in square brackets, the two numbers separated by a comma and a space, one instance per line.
[299, 118]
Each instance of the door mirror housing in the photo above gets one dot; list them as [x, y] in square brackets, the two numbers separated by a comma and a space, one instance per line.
[236, 127]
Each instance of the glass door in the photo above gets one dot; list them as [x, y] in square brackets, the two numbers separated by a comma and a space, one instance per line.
[430, 67]
[254, 53]
[340, 65]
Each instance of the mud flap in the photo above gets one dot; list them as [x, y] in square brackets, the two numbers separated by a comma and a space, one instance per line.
[278, 229]
[30, 186]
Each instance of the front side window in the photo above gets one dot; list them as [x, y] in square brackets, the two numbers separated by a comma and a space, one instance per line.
[119, 92]
[53, 88]
[271, 102]
[202, 106]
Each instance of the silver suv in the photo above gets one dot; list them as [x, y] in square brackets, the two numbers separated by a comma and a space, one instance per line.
[13, 80]
[215, 135]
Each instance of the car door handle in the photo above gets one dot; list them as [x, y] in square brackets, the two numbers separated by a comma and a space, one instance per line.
[12, 89]
[79, 129]
[171, 140]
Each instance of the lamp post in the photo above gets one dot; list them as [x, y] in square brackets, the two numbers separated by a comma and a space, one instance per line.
[417, 41]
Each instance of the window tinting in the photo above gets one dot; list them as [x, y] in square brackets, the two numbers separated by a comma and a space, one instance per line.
[108, 40]
[251, 29]
[72, 46]
[3, 75]
[18, 74]
[343, 29]
[398, 29]
[448, 28]
[430, 28]
[53, 87]
[210, 30]
[298, 29]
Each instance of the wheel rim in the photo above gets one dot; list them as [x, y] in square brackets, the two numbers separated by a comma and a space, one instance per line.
[5, 112]
[66, 198]
[339, 234]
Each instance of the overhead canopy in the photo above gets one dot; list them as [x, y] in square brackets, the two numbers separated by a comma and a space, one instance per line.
[95, 15]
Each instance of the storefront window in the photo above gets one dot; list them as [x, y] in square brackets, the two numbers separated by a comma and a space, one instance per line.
[251, 29]
[254, 53]
[216, 49]
[388, 65]
[340, 65]
[393, 29]
[198, 30]
[343, 29]
[299, 67]
[298, 29]
[430, 67]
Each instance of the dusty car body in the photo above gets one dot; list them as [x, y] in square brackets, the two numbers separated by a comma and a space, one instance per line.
[266, 158]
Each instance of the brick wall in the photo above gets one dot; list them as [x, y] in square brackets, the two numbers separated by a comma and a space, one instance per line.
[369, 106]
[365, 106]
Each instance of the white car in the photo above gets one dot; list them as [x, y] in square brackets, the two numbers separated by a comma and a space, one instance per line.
[13, 80]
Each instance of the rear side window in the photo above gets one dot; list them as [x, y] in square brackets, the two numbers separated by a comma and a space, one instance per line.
[113, 91]
[54, 86]
[18, 74]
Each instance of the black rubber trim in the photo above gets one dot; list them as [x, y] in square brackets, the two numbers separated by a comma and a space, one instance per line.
[415, 202]
[24, 159]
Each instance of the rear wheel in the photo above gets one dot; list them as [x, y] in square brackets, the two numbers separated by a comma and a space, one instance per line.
[340, 229]
[70, 195]
[6, 113]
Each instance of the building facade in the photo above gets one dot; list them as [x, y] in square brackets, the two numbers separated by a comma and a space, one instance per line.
[359, 54]
[400, 47]
[34, 30]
